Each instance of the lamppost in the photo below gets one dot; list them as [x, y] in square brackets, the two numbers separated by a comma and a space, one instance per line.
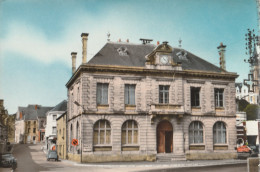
[81, 137]
[253, 76]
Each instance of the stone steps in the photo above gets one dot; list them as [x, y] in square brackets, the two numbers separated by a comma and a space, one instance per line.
[170, 157]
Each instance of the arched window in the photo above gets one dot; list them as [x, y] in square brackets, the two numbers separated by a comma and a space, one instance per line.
[102, 132]
[219, 132]
[129, 132]
[196, 132]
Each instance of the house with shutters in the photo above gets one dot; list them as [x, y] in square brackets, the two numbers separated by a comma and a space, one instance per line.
[135, 102]
[29, 123]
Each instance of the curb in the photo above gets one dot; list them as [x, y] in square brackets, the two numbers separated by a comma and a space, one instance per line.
[183, 164]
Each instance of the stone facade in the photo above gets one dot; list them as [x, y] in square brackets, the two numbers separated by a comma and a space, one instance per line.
[148, 113]
[61, 136]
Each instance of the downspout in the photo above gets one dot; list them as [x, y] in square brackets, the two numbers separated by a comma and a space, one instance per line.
[183, 101]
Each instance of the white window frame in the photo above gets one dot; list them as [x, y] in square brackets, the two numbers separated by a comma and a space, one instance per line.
[219, 133]
[164, 90]
[130, 94]
[196, 133]
[102, 93]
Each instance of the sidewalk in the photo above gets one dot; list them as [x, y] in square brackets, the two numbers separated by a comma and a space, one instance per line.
[172, 164]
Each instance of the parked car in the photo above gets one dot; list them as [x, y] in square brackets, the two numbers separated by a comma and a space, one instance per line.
[254, 148]
[8, 161]
[52, 154]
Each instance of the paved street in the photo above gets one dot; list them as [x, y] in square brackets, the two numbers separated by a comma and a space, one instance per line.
[32, 159]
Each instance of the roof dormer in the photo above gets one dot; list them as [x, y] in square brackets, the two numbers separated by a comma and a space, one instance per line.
[161, 55]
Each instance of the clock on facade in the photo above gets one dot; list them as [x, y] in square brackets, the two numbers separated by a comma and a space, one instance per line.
[164, 59]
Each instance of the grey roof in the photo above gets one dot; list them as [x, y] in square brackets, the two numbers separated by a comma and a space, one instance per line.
[136, 53]
[31, 113]
[109, 55]
[62, 106]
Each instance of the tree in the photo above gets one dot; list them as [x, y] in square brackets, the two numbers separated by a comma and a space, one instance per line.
[252, 111]
[242, 103]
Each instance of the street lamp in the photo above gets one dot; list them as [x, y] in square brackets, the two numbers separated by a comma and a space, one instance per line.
[81, 137]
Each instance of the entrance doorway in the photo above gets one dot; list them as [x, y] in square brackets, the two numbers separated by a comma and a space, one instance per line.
[164, 137]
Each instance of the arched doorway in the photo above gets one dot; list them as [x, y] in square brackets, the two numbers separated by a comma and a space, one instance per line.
[164, 137]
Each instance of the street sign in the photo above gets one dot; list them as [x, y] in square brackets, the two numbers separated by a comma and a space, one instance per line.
[75, 142]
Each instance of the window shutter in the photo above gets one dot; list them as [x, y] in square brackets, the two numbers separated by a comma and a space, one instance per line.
[99, 93]
[126, 94]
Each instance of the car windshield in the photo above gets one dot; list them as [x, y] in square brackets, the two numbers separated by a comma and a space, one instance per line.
[7, 156]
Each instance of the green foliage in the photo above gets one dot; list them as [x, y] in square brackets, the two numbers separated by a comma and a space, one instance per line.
[252, 111]
[242, 104]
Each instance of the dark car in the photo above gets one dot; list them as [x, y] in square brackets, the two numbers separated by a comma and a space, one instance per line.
[8, 161]
[52, 154]
[254, 150]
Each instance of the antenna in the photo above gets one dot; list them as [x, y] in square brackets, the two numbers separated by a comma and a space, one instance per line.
[180, 42]
[145, 41]
[108, 36]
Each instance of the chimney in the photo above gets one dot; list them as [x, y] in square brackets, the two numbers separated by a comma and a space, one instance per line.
[222, 60]
[127, 40]
[73, 57]
[158, 43]
[84, 37]
[119, 40]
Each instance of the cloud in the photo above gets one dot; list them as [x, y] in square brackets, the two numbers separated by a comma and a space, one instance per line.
[32, 42]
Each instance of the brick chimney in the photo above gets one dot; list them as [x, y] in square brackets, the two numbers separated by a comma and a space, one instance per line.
[73, 57]
[84, 37]
[222, 58]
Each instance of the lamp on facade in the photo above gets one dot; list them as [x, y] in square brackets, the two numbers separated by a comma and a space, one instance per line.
[78, 104]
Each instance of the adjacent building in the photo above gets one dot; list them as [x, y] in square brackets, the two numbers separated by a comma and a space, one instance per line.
[29, 123]
[135, 102]
[242, 92]
[61, 136]
[51, 124]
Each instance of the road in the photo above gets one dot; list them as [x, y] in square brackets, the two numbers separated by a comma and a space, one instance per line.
[32, 159]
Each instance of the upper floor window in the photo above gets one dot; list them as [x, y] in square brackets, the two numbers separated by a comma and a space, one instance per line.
[102, 132]
[29, 130]
[34, 130]
[219, 132]
[195, 96]
[164, 94]
[129, 132]
[102, 93]
[54, 130]
[196, 132]
[130, 94]
[54, 117]
[219, 97]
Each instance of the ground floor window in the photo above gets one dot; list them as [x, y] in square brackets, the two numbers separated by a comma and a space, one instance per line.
[219, 132]
[129, 132]
[196, 132]
[102, 132]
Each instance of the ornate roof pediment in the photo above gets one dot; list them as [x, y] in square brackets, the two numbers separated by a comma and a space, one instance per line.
[162, 48]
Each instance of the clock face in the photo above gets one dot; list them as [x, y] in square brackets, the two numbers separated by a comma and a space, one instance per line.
[164, 59]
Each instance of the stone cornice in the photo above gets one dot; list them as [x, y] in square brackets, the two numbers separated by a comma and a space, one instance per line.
[148, 72]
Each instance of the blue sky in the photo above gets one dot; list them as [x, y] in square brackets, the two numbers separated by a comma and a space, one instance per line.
[37, 37]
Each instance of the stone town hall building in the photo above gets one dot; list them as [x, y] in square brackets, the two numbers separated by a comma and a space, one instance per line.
[143, 101]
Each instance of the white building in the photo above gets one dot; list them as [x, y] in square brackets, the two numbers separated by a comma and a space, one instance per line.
[51, 126]
[243, 93]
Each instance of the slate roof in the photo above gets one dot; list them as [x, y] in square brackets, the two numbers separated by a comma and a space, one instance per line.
[30, 113]
[135, 57]
[109, 55]
[62, 106]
